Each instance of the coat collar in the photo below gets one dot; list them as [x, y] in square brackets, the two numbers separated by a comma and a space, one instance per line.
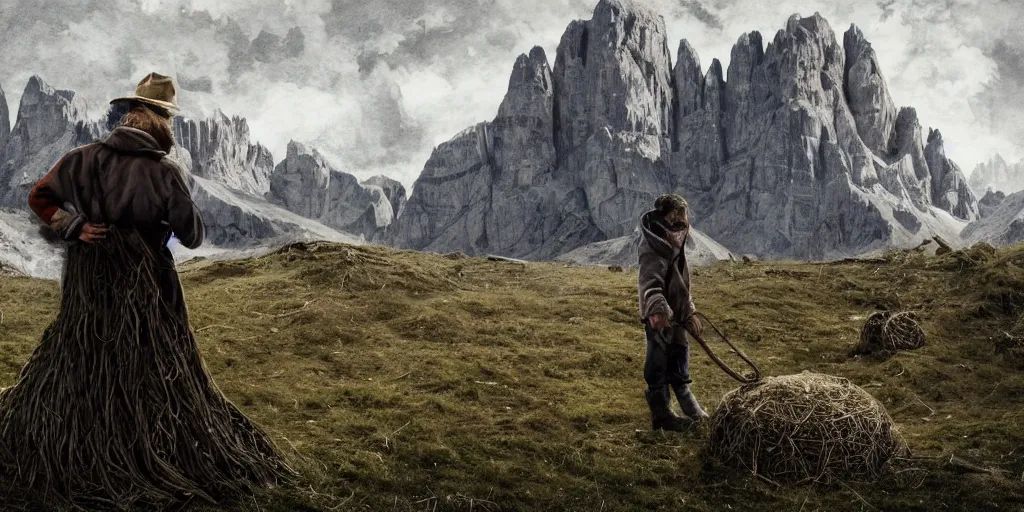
[657, 242]
[125, 139]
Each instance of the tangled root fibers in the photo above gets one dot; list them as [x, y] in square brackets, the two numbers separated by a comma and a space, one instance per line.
[804, 428]
[886, 332]
[115, 408]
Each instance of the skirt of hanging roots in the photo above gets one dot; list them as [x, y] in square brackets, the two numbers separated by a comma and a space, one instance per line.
[115, 408]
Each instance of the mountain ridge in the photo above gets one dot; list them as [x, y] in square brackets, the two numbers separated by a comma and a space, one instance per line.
[800, 153]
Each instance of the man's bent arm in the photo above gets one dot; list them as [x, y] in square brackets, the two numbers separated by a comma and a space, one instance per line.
[45, 201]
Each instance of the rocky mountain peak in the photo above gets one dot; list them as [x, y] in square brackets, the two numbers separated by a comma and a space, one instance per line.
[621, 52]
[689, 80]
[950, 190]
[221, 151]
[296, 150]
[867, 93]
[531, 69]
[5, 121]
[43, 105]
[44, 130]
[394, 191]
[997, 175]
[780, 156]
[306, 184]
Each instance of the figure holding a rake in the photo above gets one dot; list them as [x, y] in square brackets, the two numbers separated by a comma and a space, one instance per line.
[664, 292]
[668, 314]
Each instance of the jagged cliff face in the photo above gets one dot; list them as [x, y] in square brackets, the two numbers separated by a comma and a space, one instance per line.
[5, 121]
[868, 95]
[1003, 223]
[797, 150]
[50, 123]
[802, 154]
[221, 152]
[393, 190]
[305, 184]
[997, 175]
[558, 165]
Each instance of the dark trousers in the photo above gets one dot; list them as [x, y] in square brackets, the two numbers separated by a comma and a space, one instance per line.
[668, 363]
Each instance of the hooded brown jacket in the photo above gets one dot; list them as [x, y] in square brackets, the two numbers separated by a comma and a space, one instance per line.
[664, 281]
[142, 189]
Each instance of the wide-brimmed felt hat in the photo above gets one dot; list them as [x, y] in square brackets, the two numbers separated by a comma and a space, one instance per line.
[157, 90]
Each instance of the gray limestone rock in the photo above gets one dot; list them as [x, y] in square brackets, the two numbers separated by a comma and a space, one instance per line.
[559, 166]
[624, 173]
[867, 93]
[700, 134]
[797, 151]
[1002, 226]
[622, 52]
[238, 220]
[950, 190]
[221, 152]
[451, 197]
[689, 81]
[5, 121]
[996, 174]
[989, 203]
[50, 122]
[393, 190]
[797, 177]
[304, 183]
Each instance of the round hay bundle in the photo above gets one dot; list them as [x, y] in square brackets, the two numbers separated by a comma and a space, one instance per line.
[804, 428]
[888, 332]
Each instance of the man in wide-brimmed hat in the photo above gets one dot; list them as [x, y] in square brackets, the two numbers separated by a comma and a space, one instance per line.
[122, 336]
[145, 118]
[155, 90]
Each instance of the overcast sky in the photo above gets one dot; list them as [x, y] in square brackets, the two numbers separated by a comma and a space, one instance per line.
[376, 84]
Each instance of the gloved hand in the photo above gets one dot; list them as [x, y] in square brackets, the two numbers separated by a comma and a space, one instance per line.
[694, 325]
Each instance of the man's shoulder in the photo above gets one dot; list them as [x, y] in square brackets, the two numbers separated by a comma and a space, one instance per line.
[172, 164]
[84, 149]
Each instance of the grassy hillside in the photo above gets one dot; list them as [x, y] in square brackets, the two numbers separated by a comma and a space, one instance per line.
[421, 382]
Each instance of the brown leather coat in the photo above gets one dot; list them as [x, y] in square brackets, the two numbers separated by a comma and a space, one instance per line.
[141, 189]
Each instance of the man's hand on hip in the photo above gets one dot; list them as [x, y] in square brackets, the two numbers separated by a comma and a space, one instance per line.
[92, 232]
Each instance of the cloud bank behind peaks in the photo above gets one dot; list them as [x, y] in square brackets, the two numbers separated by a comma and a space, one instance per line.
[376, 84]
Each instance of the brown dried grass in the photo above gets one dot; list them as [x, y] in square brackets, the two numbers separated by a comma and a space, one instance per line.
[804, 428]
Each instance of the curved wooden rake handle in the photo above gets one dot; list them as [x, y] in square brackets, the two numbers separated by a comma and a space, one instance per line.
[721, 364]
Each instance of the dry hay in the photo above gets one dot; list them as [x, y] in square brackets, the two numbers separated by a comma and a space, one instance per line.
[115, 408]
[973, 257]
[886, 332]
[804, 428]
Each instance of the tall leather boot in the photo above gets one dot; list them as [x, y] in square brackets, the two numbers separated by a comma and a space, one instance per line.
[688, 403]
[662, 416]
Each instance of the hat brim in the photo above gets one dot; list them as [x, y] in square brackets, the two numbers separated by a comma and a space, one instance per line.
[168, 106]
